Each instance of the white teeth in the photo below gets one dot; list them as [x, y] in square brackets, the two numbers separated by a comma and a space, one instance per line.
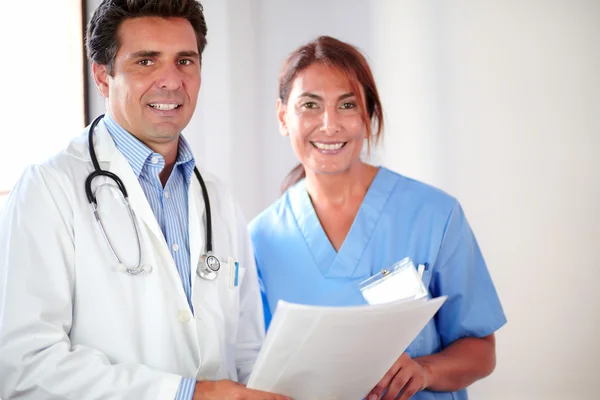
[166, 107]
[325, 146]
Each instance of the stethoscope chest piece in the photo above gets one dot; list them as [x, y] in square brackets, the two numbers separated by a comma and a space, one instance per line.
[208, 266]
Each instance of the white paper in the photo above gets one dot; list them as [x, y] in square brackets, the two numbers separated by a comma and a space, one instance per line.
[313, 353]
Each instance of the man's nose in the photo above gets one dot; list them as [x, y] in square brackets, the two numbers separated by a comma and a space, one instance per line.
[169, 77]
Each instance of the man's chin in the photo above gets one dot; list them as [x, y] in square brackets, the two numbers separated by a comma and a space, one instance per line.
[165, 131]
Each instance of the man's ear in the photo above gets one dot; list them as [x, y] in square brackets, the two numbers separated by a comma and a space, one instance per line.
[281, 109]
[101, 78]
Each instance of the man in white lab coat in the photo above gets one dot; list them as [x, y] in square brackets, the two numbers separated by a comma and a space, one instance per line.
[126, 308]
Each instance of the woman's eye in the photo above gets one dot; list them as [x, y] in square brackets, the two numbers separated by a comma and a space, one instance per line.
[348, 105]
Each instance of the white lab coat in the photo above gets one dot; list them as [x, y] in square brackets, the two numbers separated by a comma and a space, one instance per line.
[72, 326]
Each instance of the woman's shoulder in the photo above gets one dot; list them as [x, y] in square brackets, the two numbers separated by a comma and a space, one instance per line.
[416, 192]
[272, 219]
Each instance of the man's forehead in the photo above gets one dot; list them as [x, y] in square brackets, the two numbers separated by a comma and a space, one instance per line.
[157, 34]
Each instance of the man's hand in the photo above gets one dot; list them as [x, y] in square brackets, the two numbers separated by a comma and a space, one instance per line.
[406, 375]
[229, 390]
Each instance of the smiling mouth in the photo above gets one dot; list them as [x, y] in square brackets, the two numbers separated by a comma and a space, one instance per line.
[165, 107]
[328, 146]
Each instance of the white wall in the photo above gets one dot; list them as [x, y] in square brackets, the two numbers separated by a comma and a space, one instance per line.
[235, 131]
[495, 102]
[498, 103]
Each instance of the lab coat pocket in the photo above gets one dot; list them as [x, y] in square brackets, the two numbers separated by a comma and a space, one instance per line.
[216, 304]
[229, 295]
[229, 281]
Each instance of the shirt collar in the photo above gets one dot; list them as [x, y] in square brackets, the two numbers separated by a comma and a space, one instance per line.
[185, 158]
[138, 154]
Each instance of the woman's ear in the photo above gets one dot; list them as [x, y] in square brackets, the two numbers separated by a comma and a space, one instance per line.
[281, 112]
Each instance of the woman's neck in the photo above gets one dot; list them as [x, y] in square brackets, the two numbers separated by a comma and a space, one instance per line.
[339, 189]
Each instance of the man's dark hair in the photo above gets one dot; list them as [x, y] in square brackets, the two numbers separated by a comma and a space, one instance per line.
[102, 39]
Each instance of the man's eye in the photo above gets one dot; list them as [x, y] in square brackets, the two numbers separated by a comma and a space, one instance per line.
[310, 105]
[185, 62]
[145, 62]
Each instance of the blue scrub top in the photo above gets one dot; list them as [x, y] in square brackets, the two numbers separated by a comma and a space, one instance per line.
[399, 217]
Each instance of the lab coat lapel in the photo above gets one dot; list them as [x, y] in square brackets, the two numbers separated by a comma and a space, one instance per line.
[106, 151]
[155, 250]
[197, 225]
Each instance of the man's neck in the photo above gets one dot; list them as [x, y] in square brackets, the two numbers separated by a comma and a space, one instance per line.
[167, 149]
[170, 157]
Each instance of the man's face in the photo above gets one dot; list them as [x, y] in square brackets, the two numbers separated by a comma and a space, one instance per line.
[154, 87]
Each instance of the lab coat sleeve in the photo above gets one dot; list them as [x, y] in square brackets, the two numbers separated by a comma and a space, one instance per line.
[251, 329]
[37, 359]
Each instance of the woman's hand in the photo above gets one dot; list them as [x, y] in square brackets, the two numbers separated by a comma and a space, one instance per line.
[406, 375]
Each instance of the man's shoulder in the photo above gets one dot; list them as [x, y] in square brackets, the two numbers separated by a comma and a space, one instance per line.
[58, 173]
[215, 186]
[67, 161]
[223, 204]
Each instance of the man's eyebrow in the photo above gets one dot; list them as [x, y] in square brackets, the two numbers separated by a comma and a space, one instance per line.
[152, 53]
[189, 53]
[145, 53]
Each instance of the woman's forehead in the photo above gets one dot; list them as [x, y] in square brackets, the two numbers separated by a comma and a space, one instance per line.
[323, 78]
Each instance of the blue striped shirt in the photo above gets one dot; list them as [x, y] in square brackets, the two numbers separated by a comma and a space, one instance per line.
[169, 204]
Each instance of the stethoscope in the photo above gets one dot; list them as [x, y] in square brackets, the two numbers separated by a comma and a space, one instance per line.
[209, 263]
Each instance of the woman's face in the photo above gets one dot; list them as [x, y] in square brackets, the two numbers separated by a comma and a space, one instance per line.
[323, 120]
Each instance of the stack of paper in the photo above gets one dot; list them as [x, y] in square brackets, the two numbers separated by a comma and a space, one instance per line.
[313, 353]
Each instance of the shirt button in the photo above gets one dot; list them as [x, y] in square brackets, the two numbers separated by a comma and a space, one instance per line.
[175, 247]
[166, 194]
[154, 160]
[184, 316]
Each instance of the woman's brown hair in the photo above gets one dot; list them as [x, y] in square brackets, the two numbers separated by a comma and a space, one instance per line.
[351, 63]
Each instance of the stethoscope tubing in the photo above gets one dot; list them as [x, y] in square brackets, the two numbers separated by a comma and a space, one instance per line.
[93, 202]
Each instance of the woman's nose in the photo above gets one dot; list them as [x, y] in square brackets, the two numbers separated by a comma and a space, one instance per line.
[331, 122]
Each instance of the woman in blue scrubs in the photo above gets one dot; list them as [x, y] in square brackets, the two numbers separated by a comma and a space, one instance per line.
[341, 221]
